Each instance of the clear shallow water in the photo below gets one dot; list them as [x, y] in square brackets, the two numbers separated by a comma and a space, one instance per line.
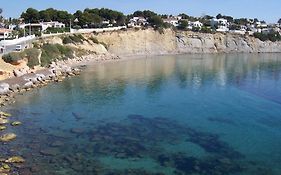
[188, 114]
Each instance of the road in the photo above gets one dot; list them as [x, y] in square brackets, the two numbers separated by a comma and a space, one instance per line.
[11, 48]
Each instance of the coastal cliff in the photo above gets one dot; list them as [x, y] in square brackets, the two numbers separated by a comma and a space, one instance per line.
[151, 42]
[129, 43]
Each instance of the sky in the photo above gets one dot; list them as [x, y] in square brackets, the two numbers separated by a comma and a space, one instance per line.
[268, 10]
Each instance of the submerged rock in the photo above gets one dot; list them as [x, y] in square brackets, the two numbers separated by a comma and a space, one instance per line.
[49, 152]
[15, 159]
[16, 123]
[6, 166]
[5, 114]
[2, 128]
[7, 137]
[57, 144]
[3, 121]
[77, 130]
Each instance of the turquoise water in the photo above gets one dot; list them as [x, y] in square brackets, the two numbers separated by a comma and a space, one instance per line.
[186, 114]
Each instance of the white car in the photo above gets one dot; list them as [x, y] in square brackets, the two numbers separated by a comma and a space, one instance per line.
[18, 47]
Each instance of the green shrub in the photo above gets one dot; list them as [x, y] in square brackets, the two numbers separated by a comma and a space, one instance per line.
[13, 57]
[80, 36]
[75, 39]
[206, 30]
[57, 30]
[52, 52]
[49, 53]
[65, 51]
[32, 55]
[36, 45]
[45, 59]
[95, 40]
[66, 40]
[272, 36]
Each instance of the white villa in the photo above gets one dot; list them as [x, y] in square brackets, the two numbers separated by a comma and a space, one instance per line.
[196, 24]
[172, 20]
[137, 22]
[5, 33]
[221, 25]
[42, 26]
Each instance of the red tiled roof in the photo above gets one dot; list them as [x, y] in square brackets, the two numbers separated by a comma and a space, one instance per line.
[3, 30]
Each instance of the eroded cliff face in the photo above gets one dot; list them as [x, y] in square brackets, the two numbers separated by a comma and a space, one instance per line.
[150, 42]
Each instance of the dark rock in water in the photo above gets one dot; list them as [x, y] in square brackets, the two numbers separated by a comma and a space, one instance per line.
[49, 152]
[211, 143]
[77, 130]
[221, 120]
[77, 116]
[132, 172]
[57, 144]
[186, 164]
[163, 160]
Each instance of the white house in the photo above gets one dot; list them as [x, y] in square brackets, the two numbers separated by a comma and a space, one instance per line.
[197, 24]
[137, 22]
[42, 26]
[55, 24]
[221, 25]
[5, 33]
[172, 20]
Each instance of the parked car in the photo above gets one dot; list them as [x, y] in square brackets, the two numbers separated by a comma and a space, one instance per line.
[18, 47]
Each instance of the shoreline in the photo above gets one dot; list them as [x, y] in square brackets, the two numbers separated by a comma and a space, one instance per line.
[57, 72]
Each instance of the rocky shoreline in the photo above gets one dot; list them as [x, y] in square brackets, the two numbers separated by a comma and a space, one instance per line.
[56, 72]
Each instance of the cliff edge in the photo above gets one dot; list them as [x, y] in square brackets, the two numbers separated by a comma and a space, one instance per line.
[150, 42]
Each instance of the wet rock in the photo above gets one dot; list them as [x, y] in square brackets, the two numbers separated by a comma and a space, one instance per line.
[14, 87]
[49, 152]
[77, 130]
[57, 144]
[3, 121]
[4, 88]
[27, 85]
[5, 114]
[15, 159]
[7, 137]
[18, 73]
[2, 128]
[16, 123]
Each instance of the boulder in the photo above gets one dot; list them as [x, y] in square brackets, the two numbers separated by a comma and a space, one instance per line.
[7, 137]
[15, 159]
[27, 85]
[4, 88]
[16, 123]
[18, 73]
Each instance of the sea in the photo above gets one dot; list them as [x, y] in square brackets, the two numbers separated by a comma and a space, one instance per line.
[209, 114]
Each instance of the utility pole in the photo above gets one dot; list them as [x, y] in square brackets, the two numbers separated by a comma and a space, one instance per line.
[4, 47]
[29, 28]
[70, 26]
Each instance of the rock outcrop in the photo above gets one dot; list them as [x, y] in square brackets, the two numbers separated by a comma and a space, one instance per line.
[151, 42]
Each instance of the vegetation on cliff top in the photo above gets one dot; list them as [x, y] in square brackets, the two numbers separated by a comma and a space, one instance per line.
[49, 53]
[31, 55]
[73, 39]
[272, 36]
